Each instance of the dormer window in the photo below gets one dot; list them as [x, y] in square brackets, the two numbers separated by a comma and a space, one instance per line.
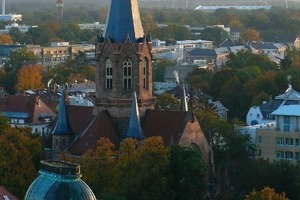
[127, 73]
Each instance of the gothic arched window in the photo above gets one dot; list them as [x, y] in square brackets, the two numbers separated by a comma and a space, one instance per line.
[108, 74]
[127, 71]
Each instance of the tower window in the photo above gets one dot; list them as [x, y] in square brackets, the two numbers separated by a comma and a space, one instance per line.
[145, 85]
[127, 71]
[108, 74]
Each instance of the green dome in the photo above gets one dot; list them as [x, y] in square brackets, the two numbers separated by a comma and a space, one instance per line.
[59, 180]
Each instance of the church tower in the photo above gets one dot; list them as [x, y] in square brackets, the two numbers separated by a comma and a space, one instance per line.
[124, 62]
[60, 9]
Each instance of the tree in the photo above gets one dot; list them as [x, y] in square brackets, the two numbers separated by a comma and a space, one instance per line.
[250, 35]
[188, 173]
[265, 194]
[101, 178]
[16, 58]
[29, 77]
[166, 101]
[159, 68]
[216, 34]
[6, 39]
[15, 157]
[149, 24]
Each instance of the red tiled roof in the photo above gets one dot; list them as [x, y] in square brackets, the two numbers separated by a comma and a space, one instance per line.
[27, 104]
[167, 124]
[101, 126]
[4, 192]
[79, 117]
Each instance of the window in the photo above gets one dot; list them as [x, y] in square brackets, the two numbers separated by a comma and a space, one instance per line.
[289, 141]
[279, 141]
[259, 140]
[108, 74]
[145, 68]
[297, 142]
[127, 70]
[286, 123]
[297, 155]
[289, 155]
[279, 154]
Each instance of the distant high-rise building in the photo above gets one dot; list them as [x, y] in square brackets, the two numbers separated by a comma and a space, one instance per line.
[60, 9]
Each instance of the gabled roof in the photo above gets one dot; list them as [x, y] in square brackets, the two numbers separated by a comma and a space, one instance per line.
[264, 45]
[202, 52]
[101, 126]
[79, 117]
[29, 107]
[123, 19]
[167, 124]
[289, 94]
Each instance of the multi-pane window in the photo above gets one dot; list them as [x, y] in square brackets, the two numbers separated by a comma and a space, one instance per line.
[289, 155]
[289, 141]
[127, 72]
[145, 63]
[108, 74]
[286, 123]
[279, 154]
[279, 140]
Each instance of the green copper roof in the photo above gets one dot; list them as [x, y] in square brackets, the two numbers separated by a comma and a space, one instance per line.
[59, 180]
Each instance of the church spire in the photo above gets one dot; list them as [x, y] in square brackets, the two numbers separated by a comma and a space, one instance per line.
[135, 130]
[124, 19]
[183, 101]
[62, 125]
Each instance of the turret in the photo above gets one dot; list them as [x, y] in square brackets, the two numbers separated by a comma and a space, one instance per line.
[134, 130]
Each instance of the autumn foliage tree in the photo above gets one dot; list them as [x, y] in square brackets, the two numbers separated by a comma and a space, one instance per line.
[266, 194]
[29, 77]
[250, 35]
[143, 170]
[17, 164]
[6, 39]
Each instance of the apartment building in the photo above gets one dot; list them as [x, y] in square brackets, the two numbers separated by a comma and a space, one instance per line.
[281, 142]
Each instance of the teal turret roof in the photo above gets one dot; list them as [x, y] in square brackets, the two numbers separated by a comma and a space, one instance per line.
[135, 130]
[59, 180]
[62, 126]
[123, 21]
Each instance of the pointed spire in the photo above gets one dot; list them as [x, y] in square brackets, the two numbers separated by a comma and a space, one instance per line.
[135, 130]
[62, 126]
[183, 101]
[123, 18]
